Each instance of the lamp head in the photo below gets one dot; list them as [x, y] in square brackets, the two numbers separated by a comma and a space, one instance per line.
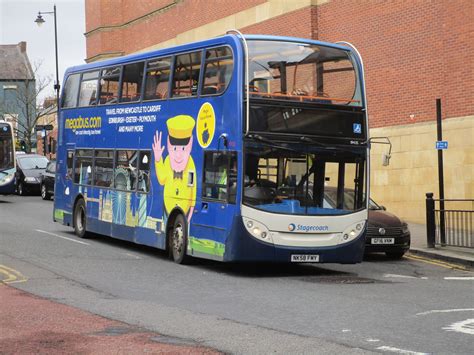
[39, 20]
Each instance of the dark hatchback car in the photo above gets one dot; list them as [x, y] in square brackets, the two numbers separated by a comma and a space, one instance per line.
[28, 173]
[386, 233]
[47, 181]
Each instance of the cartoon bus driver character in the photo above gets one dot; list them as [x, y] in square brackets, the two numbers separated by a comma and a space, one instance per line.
[177, 172]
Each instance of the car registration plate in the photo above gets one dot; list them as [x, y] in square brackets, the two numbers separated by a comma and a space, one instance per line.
[304, 258]
[383, 241]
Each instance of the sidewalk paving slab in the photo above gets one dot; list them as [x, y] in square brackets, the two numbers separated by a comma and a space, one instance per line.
[34, 325]
[419, 246]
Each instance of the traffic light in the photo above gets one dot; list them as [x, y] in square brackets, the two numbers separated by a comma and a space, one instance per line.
[23, 146]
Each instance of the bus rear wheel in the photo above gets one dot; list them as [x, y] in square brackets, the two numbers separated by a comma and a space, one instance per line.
[79, 219]
[178, 240]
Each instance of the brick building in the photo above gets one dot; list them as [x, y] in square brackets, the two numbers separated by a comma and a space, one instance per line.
[413, 51]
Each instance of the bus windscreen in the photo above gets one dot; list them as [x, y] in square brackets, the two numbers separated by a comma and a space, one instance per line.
[303, 72]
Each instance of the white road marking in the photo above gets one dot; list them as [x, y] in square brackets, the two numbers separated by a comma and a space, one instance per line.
[466, 278]
[346, 330]
[399, 351]
[465, 326]
[132, 255]
[60, 236]
[373, 340]
[404, 276]
[445, 311]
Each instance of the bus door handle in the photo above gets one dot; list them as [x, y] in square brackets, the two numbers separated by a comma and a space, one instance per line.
[204, 207]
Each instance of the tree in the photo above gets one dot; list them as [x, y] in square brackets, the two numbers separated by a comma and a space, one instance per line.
[25, 105]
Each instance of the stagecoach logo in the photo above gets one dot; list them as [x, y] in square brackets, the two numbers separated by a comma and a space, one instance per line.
[306, 228]
[382, 231]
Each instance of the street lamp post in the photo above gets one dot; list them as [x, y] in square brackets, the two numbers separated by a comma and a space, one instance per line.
[39, 21]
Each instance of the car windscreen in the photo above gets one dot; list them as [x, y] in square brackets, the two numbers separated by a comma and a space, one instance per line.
[33, 163]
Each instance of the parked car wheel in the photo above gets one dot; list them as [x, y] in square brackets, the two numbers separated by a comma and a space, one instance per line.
[21, 189]
[44, 193]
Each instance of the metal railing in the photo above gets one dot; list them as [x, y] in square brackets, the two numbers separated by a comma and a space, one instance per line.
[451, 226]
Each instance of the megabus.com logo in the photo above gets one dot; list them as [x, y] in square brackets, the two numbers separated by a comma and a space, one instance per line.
[306, 228]
[83, 122]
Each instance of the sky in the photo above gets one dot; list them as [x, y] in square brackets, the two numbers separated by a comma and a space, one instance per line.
[17, 24]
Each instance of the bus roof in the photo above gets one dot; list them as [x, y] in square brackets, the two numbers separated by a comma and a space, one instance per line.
[193, 45]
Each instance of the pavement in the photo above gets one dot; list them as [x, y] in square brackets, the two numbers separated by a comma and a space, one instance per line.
[419, 246]
[34, 325]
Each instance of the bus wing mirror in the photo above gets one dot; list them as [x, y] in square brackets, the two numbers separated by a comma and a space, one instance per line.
[383, 140]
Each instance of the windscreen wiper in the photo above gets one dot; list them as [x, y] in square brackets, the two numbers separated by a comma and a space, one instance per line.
[268, 142]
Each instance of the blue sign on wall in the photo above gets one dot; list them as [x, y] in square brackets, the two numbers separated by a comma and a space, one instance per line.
[441, 145]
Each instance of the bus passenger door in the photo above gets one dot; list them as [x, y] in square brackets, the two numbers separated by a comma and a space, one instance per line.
[213, 218]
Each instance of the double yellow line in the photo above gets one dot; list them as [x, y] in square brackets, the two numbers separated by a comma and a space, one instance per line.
[12, 275]
[436, 262]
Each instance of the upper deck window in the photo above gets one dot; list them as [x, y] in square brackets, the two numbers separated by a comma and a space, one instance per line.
[217, 70]
[71, 90]
[186, 74]
[302, 72]
[88, 93]
[157, 79]
[109, 85]
[132, 79]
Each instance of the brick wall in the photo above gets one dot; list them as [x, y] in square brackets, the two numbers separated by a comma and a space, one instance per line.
[414, 51]
[176, 17]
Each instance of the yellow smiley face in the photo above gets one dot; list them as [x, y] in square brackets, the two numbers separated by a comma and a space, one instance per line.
[206, 125]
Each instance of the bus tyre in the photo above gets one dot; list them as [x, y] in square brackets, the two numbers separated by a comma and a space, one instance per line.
[80, 219]
[44, 193]
[178, 240]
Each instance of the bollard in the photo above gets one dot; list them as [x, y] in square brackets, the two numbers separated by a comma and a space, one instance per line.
[430, 220]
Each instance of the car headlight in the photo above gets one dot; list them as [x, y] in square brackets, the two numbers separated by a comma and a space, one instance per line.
[405, 229]
[352, 232]
[257, 229]
[31, 179]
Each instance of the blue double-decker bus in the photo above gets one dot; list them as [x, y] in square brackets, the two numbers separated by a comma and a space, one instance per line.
[7, 159]
[237, 148]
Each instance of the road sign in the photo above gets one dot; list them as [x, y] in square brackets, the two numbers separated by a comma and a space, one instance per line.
[441, 145]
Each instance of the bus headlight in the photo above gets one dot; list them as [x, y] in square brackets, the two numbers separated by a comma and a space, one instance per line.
[257, 229]
[352, 232]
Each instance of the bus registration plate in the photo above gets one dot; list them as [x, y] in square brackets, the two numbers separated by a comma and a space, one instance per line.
[304, 258]
[383, 241]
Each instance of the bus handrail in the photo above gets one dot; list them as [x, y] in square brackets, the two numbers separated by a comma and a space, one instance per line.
[247, 106]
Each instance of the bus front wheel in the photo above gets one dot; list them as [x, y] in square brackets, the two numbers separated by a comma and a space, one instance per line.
[178, 240]
[80, 219]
